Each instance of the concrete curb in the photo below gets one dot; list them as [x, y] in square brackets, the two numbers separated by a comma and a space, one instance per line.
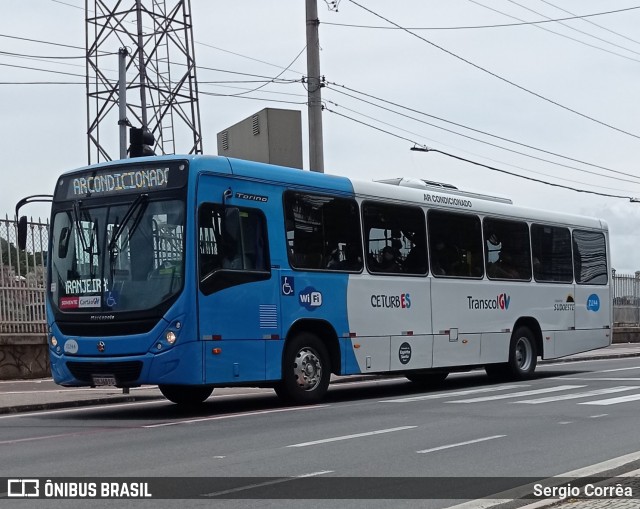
[590, 358]
[57, 405]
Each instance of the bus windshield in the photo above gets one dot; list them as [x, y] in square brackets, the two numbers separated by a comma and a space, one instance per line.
[117, 257]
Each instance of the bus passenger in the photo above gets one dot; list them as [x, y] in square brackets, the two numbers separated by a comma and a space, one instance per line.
[389, 261]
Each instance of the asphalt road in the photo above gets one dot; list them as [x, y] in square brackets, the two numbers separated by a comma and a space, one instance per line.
[571, 416]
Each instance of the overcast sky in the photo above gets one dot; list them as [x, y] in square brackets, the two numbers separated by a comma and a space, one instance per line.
[592, 70]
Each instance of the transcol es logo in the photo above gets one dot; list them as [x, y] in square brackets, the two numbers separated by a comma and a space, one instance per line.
[502, 301]
[593, 303]
[310, 298]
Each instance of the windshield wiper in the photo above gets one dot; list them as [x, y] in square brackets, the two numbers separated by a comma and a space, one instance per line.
[140, 201]
[76, 221]
[86, 247]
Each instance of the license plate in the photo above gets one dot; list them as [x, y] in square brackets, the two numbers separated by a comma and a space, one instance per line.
[104, 380]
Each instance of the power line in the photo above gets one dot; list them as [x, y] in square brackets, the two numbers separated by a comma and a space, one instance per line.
[491, 73]
[472, 27]
[42, 83]
[241, 88]
[273, 80]
[565, 36]
[42, 70]
[24, 55]
[575, 29]
[428, 149]
[594, 24]
[235, 96]
[244, 56]
[480, 132]
[41, 42]
[463, 150]
[528, 178]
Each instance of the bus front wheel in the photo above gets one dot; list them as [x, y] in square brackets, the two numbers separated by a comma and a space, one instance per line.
[186, 395]
[305, 370]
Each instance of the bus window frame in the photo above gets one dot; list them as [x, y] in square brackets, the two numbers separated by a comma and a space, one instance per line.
[407, 208]
[486, 257]
[433, 258]
[221, 278]
[574, 259]
[533, 254]
[325, 257]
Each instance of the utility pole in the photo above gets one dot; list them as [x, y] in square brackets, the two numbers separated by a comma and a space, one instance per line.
[314, 86]
[122, 100]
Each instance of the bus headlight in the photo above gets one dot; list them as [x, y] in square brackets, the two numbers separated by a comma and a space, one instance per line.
[54, 341]
[170, 336]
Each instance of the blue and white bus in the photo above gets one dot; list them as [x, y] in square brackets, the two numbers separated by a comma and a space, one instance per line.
[196, 272]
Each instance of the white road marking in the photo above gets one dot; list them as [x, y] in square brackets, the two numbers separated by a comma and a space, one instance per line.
[459, 444]
[617, 369]
[613, 401]
[577, 395]
[520, 491]
[349, 437]
[266, 483]
[232, 416]
[597, 416]
[518, 394]
[592, 379]
[453, 394]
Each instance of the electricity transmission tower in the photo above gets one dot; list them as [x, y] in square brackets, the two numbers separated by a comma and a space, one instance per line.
[152, 40]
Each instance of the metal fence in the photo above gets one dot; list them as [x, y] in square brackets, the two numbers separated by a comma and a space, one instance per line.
[626, 299]
[22, 279]
[22, 283]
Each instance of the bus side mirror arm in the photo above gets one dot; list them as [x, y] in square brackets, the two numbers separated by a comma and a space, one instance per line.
[22, 222]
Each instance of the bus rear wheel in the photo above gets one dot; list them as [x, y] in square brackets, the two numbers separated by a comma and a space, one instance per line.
[186, 395]
[523, 357]
[305, 370]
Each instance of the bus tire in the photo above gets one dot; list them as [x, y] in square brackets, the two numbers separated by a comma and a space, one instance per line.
[186, 395]
[306, 370]
[523, 355]
[427, 379]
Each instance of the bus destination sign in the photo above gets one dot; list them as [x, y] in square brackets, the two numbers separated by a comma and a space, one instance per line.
[122, 180]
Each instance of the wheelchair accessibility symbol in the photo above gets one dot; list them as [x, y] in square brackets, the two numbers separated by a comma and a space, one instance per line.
[286, 284]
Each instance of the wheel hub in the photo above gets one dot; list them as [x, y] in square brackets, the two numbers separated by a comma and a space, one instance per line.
[307, 369]
[523, 354]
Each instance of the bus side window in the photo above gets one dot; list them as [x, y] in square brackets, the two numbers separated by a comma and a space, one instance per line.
[590, 257]
[323, 232]
[395, 238]
[552, 248]
[231, 240]
[507, 249]
[455, 244]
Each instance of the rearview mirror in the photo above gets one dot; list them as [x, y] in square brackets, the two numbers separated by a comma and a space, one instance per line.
[63, 244]
[22, 233]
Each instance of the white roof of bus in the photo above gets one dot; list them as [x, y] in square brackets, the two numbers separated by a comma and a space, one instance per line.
[470, 204]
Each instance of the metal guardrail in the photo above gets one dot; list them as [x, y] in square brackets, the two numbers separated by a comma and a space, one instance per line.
[23, 276]
[22, 279]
